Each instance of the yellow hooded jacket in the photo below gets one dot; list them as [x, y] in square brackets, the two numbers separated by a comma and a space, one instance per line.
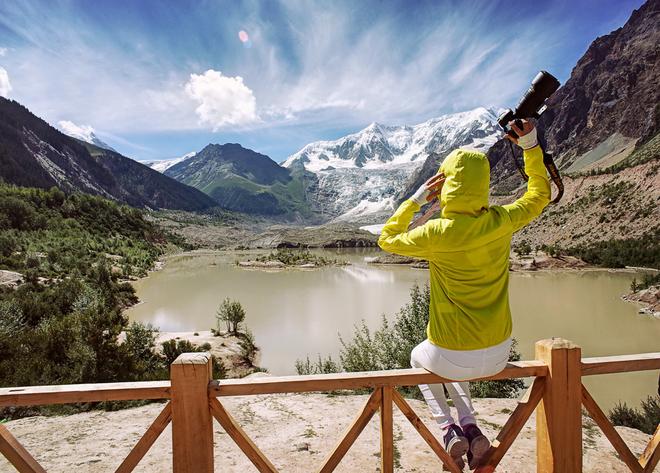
[468, 249]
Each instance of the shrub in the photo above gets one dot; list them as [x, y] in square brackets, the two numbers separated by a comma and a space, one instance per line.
[231, 313]
[523, 248]
[320, 366]
[389, 347]
[140, 344]
[617, 253]
[646, 420]
[248, 345]
[173, 348]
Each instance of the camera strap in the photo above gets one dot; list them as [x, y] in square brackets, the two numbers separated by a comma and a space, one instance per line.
[554, 175]
[550, 165]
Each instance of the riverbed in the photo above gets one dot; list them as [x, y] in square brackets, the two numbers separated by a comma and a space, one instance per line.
[298, 312]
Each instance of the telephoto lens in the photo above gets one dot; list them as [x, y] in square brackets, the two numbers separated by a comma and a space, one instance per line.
[543, 86]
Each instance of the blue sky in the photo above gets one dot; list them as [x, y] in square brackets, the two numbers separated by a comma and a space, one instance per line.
[157, 79]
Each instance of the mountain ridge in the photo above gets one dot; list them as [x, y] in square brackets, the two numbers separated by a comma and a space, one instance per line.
[243, 180]
[360, 177]
[35, 154]
[610, 102]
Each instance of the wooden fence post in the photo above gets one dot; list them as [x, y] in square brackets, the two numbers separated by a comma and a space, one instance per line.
[386, 431]
[559, 416]
[192, 427]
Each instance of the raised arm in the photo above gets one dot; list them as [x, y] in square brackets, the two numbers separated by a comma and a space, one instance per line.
[395, 237]
[537, 196]
[418, 242]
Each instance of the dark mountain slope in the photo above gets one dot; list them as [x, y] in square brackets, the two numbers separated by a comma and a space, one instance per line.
[611, 99]
[32, 153]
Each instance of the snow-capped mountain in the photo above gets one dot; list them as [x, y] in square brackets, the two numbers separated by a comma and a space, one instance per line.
[164, 164]
[83, 133]
[360, 176]
[381, 146]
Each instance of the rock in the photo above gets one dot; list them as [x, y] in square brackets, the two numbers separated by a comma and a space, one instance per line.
[649, 298]
[10, 278]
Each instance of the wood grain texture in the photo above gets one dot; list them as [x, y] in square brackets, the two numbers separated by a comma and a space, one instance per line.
[424, 432]
[651, 456]
[386, 431]
[357, 380]
[559, 418]
[620, 364]
[352, 433]
[596, 413]
[147, 440]
[192, 424]
[17, 454]
[241, 439]
[71, 393]
[514, 424]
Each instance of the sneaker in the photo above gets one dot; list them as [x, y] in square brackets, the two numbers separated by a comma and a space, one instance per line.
[456, 445]
[479, 445]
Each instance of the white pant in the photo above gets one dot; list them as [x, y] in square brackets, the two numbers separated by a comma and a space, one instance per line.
[457, 365]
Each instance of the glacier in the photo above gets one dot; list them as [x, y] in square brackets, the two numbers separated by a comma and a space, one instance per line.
[360, 176]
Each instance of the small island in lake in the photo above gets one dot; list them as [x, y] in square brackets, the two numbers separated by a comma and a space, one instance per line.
[288, 258]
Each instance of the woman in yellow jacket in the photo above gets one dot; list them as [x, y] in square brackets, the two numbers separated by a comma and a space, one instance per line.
[469, 328]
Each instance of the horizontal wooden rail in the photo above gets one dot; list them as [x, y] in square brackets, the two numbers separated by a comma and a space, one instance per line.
[620, 364]
[193, 393]
[72, 393]
[357, 380]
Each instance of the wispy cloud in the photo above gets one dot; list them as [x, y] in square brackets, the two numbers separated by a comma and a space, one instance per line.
[3, 51]
[154, 66]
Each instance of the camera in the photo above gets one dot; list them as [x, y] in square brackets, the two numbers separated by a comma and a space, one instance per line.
[532, 104]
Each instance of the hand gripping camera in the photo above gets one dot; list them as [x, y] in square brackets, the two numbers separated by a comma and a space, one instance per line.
[532, 105]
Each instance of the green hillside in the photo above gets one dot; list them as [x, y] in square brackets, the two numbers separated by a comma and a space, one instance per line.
[242, 180]
[61, 325]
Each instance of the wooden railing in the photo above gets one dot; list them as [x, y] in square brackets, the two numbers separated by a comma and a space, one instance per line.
[556, 393]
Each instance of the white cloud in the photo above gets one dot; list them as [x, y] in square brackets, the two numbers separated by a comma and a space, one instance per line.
[82, 132]
[222, 100]
[3, 51]
[5, 85]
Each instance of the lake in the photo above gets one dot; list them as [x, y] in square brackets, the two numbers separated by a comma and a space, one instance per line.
[294, 313]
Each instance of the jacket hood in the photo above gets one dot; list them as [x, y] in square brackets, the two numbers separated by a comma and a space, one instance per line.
[465, 190]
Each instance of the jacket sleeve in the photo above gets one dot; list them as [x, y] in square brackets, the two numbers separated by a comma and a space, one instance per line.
[417, 243]
[537, 196]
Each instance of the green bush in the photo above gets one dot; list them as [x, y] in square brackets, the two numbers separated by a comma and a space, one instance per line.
[646, 419]
[297, 257]
[320, 366]
[248, 345]
[618, 253]
[389, 347]
[62, 325]
[648, 280]
[232, 314]
[523, 248]
[173, 348]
